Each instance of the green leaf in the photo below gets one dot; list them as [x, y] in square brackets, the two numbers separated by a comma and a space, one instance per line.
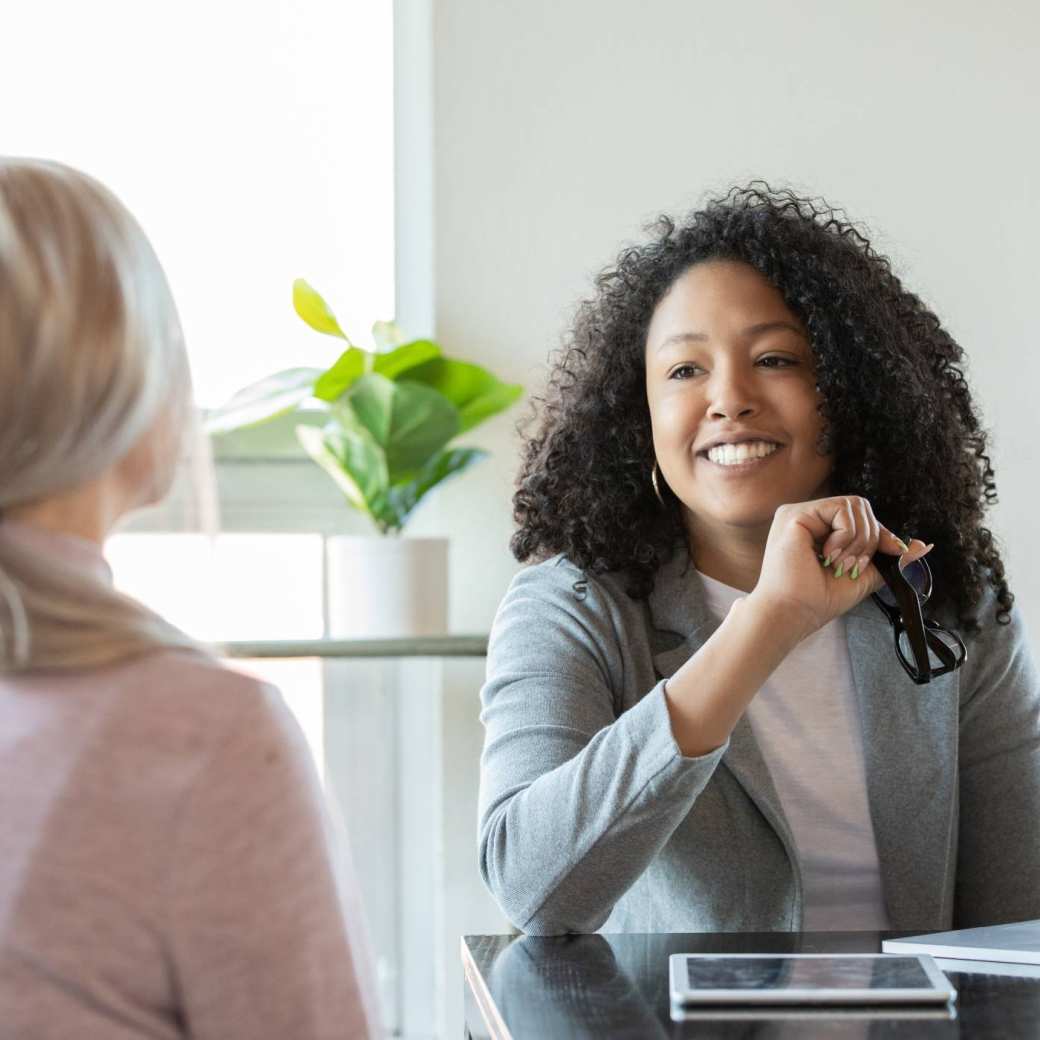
[310, 306]
[353, 461]
[496, 400]
[388, 334]
[405, 357]
[354, 363]
[275, 395]
[474, 391]
[410, 422]
[405, 497]
[345, 371]
[364, 460]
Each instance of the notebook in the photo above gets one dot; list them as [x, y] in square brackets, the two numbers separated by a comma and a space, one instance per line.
[1010, 943]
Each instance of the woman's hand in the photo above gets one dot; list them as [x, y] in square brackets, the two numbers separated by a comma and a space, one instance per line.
[817, 561]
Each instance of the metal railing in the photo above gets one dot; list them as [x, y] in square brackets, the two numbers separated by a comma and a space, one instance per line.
[412, 646]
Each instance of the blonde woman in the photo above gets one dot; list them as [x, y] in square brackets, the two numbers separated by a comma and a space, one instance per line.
[165, 866]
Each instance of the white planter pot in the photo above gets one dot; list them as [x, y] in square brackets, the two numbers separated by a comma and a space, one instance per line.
[383, 588]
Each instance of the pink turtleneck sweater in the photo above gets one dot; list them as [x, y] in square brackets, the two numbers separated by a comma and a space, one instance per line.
[166, 869]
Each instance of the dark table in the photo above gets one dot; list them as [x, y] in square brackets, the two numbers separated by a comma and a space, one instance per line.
[607, 986]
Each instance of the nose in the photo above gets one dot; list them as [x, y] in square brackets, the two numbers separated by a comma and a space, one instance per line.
[731, 395]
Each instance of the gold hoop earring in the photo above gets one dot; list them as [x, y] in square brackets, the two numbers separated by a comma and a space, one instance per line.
[653, 480]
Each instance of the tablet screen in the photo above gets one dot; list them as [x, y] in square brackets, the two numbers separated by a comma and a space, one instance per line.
[830, 973]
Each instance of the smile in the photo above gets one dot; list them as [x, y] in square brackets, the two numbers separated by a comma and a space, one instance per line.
[741, 454]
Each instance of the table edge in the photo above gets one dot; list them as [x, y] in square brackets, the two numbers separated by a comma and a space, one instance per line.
[485, 1002]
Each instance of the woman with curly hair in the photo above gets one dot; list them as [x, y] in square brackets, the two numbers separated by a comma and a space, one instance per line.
[697, 717]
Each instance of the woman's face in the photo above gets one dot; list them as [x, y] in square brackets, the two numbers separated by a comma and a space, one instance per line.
[728, 364]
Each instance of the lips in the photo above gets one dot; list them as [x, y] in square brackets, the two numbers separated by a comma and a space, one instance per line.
[735, 438]
[742, 454]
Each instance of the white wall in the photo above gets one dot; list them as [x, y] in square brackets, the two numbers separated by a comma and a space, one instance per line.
[560, 127]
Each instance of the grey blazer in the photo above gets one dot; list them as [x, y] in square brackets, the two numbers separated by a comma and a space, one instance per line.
[591, 818]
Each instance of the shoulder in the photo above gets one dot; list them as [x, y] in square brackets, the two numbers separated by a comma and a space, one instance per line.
[996, 627]
[205, 683]
[999, 653]
[559, 606]
[214, 745]
[558, 585]
[185, 705]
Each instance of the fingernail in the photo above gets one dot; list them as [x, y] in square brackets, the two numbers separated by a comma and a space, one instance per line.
[839, 570]
[854, 573]
[928, 548]
[903, 545]
[827, 561]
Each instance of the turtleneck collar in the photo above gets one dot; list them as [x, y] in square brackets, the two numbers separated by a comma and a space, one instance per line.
[78, 553]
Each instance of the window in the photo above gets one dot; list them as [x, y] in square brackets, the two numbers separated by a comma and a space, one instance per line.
[254, 142]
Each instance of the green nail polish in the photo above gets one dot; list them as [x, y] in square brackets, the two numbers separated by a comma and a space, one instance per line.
[827, 562]
[839, 570]
[855, 572]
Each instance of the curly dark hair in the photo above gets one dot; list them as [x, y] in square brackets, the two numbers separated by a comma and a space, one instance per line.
[897, 409]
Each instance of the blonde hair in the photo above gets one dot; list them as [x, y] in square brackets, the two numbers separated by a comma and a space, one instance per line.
[91, 360]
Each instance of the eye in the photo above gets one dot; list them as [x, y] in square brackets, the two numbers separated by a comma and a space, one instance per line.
[777, 361]
[683, 371]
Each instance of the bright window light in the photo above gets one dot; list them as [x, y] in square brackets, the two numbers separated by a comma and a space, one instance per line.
[236, 586]
[254, 142]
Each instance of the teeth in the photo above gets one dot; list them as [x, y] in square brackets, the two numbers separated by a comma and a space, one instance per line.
[734, 454]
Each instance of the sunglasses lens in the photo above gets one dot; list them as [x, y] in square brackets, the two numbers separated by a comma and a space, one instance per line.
[920, 579]
[919, 576]
[936, 660]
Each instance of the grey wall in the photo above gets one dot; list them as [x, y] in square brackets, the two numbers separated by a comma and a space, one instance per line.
[558, 128]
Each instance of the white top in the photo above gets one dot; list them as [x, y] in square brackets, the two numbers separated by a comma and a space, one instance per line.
[806, 722]
[166, 866]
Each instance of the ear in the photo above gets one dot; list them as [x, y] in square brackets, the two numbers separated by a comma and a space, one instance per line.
[147, 471]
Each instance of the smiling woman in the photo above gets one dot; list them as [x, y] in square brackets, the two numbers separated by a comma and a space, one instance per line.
[882, 360]
[695, 720]
[731, 387]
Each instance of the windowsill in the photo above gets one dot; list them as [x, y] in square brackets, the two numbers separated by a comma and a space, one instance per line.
[271, 441]
[266, 483]
[261, 494]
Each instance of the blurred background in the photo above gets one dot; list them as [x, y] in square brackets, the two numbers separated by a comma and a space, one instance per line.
[466, 166]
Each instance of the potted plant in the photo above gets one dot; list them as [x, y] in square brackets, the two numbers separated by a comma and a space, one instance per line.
[381, 424]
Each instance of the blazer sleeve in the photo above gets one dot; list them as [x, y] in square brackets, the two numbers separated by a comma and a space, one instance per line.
[998, 852]
[576, 797]
[266, 935]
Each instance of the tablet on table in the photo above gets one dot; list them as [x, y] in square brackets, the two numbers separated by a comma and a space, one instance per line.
[806, 979]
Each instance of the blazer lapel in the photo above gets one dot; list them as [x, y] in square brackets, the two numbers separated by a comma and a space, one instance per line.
[683, 625]
[908, 734]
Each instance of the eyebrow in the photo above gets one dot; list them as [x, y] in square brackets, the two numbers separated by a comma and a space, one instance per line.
[749, 332]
